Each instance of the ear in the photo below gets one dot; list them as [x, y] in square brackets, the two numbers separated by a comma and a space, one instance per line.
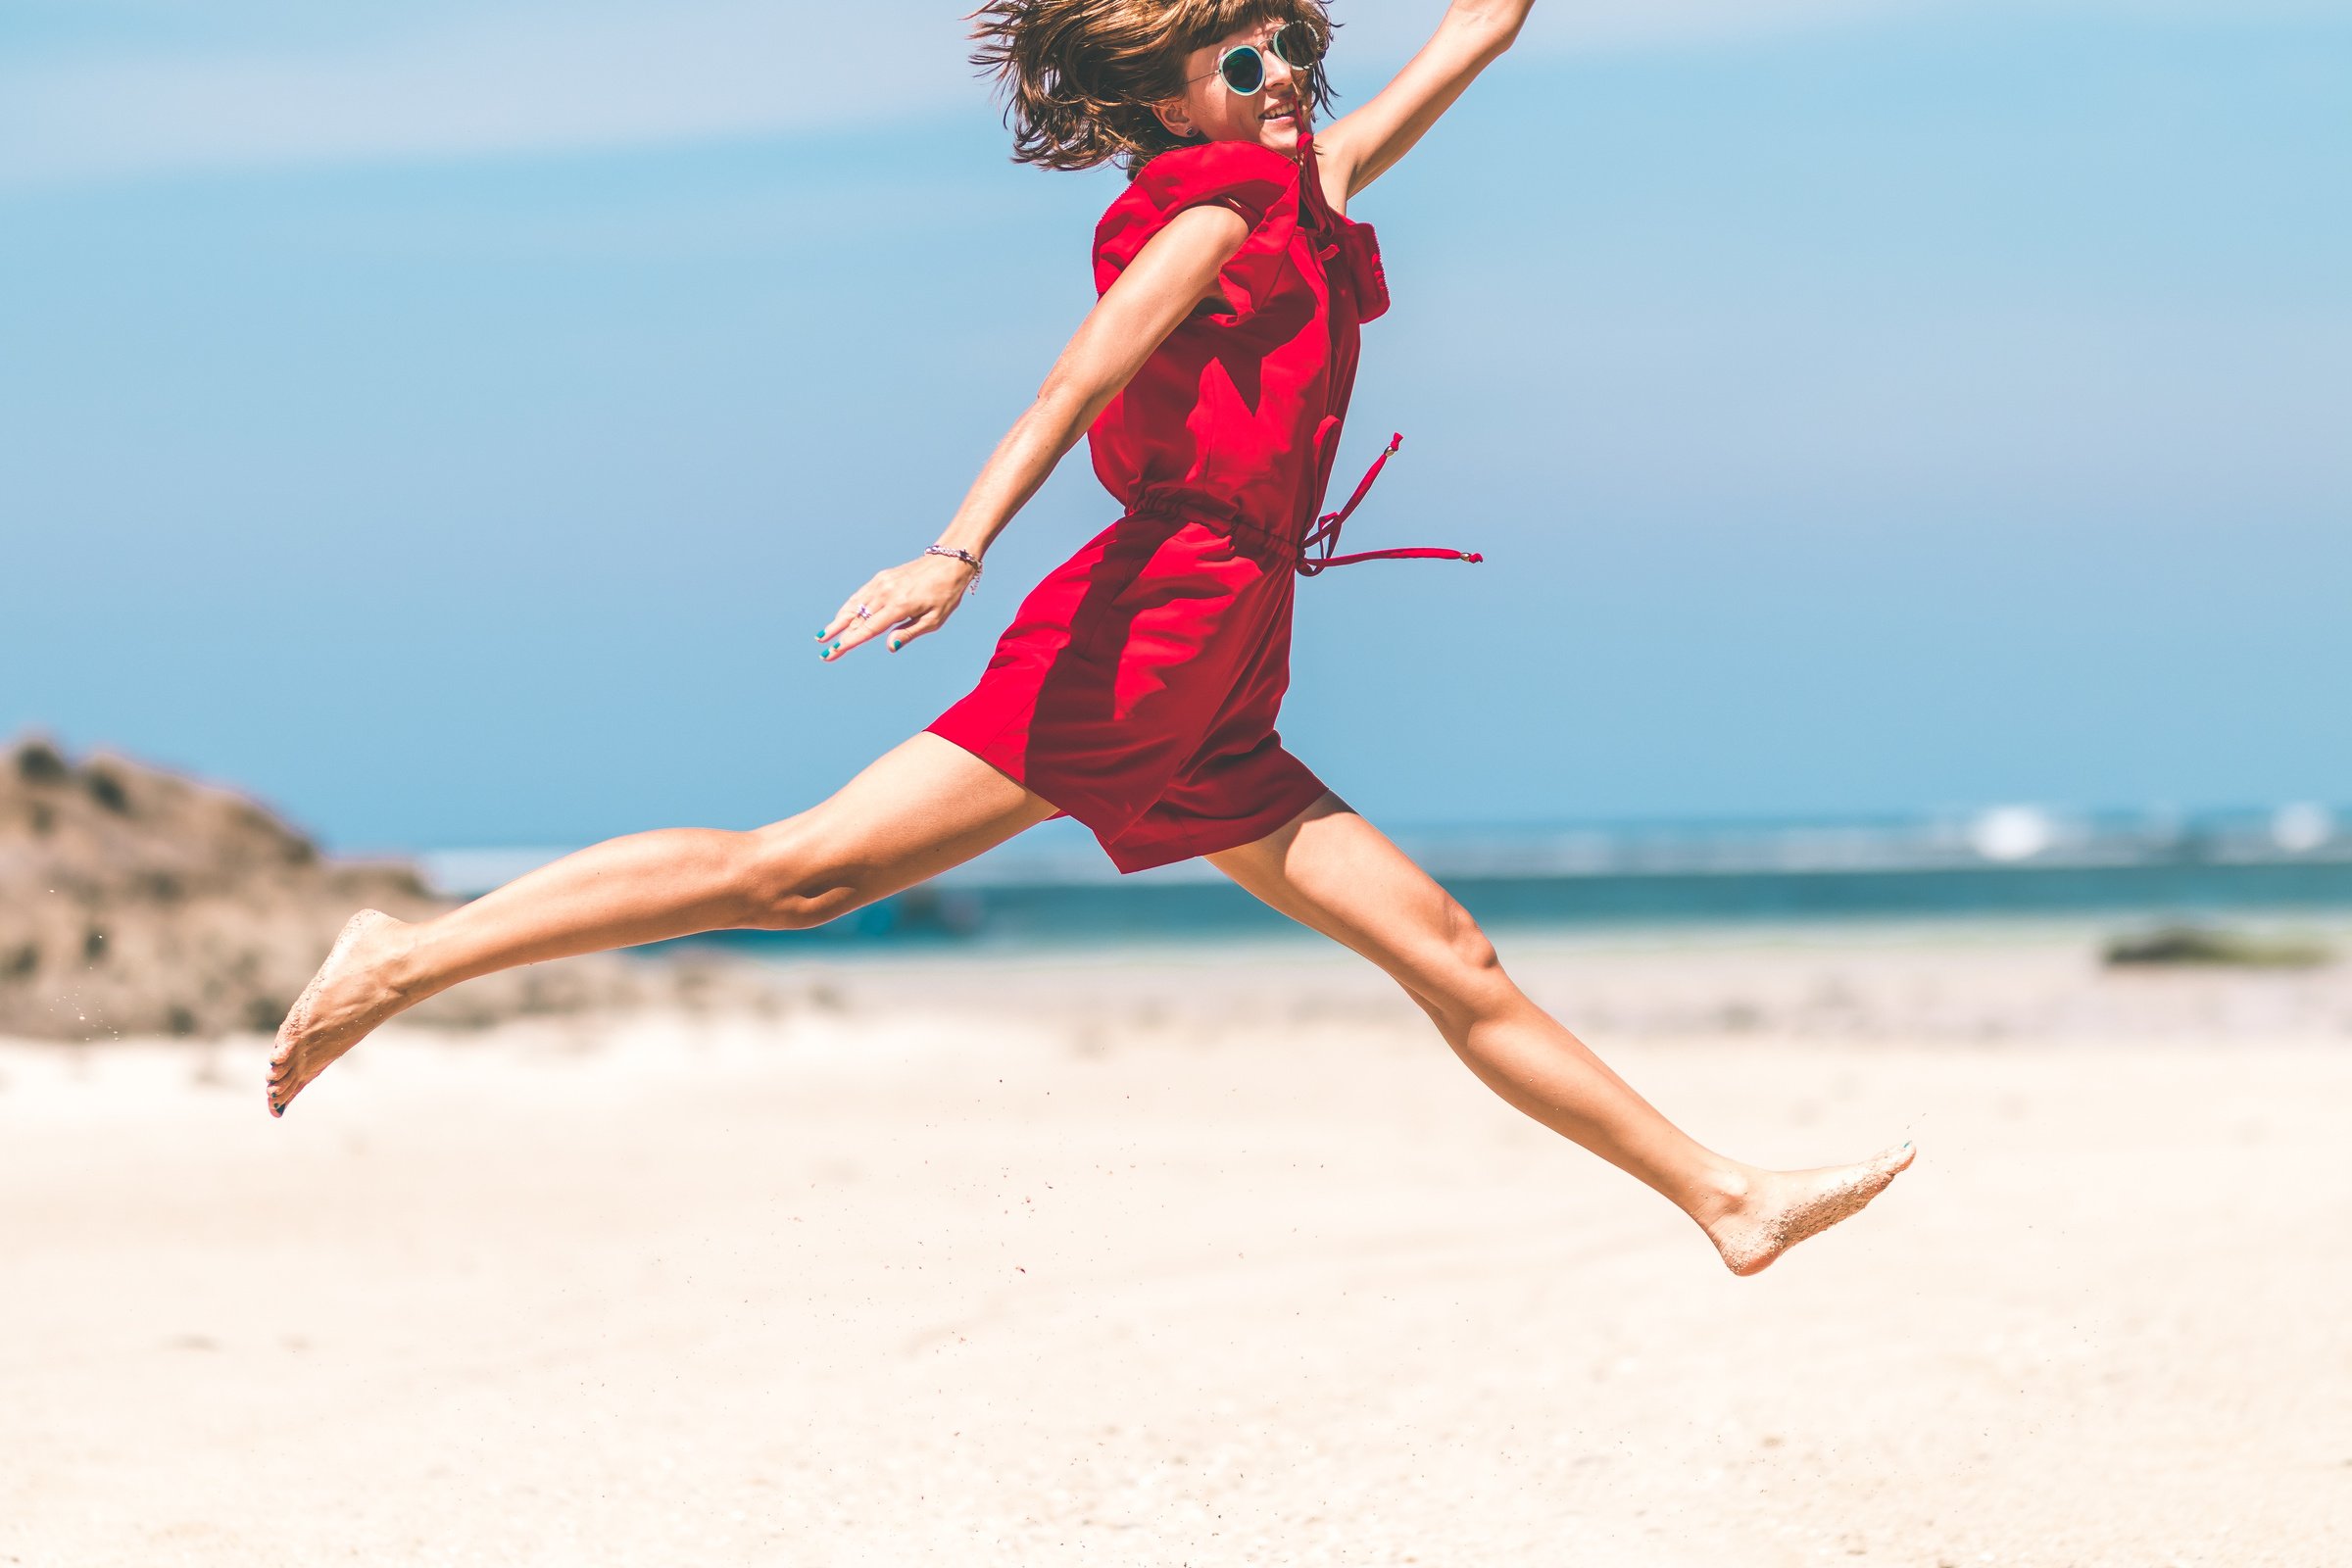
[1175, 116]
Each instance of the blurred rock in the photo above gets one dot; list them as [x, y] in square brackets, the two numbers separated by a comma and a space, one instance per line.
[134, 901]
[2194, 945]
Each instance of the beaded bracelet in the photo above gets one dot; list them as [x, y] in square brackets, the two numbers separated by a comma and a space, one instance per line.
[964, 555]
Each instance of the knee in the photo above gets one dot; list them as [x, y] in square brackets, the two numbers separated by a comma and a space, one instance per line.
[1465, 978]
[798, 874]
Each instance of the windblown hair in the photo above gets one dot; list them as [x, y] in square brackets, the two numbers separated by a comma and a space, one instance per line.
[1080, 76]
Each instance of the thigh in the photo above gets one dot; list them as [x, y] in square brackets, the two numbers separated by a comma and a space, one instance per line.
[922, 806]
[1329, 869]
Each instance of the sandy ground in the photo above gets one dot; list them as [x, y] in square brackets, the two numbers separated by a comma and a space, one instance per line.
[1212, 1259]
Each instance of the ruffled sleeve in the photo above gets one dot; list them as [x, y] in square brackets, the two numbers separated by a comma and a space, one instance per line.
[1253, 179]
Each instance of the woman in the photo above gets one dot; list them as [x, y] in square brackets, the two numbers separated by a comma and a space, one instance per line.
[1136, 689]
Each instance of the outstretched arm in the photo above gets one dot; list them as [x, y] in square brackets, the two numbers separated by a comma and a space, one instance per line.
[1175, 272]
[1366, 142]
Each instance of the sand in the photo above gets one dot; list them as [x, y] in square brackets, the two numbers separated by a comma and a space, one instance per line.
[1203, 1258]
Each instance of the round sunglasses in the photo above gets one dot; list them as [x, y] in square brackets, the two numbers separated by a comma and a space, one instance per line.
[1243, 68]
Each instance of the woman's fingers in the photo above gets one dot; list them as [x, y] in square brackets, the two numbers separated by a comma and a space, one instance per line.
[908, 631]
[848, 628]
[896, 617]
[846, 615]
[857, 630]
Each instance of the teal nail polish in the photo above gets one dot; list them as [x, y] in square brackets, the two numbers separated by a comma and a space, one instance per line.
[893, 645]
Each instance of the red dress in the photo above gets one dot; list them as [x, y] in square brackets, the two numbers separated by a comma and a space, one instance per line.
[1137, 685]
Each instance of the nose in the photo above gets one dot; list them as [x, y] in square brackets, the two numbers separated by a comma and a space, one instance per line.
[1282, 81]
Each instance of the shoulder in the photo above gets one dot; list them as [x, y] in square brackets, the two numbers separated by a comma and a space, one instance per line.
[1185, 171]
[1251, 178]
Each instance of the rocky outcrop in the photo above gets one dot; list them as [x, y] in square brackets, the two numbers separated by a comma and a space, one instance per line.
[136, 902]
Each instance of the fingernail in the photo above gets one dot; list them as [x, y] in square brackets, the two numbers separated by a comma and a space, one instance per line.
[893, 645]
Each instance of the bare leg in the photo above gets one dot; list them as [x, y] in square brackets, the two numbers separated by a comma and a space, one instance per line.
[921, 807]
[1332, 870]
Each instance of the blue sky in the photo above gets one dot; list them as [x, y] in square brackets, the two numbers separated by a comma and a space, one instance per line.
[451, 421]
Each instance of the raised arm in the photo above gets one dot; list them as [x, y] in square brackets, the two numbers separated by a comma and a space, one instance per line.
[1175, 272]
[1366, 142]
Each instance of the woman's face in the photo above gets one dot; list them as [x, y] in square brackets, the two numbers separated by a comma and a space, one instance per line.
[1275, 116]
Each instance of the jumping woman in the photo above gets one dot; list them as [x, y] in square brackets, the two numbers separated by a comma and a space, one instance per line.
[1136, 689]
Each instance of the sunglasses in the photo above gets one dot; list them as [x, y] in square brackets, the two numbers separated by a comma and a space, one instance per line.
[1243, 68]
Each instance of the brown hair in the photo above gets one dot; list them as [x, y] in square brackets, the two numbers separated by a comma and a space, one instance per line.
[1079, 77]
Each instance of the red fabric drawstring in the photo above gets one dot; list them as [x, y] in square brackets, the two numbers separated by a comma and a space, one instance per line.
[1325, 534]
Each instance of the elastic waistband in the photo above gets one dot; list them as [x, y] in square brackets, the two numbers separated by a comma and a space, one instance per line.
[1183, 501]
[1200, 506]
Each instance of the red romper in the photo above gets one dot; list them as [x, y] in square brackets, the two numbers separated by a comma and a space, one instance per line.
[1137, 686]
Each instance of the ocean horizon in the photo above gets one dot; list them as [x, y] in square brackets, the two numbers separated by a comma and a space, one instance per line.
[1054, 884]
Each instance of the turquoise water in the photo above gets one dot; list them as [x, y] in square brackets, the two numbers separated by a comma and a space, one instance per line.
[2015, 862]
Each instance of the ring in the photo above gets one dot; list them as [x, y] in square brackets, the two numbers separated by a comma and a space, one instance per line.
[863, 612]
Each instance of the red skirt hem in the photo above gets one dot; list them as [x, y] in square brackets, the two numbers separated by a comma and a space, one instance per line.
[1142, 842]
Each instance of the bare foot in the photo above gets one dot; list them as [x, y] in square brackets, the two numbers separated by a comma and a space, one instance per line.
[345, 1000]
[1782, 1207]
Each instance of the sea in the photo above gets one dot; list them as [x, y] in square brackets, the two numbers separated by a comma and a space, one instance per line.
[1052, 886]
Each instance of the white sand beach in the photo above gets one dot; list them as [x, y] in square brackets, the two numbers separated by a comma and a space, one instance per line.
[1203, 1257]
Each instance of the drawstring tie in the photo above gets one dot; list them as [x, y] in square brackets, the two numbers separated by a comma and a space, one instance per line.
[1325, 534]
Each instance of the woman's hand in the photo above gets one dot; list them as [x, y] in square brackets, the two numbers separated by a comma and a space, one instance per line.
[904, 601]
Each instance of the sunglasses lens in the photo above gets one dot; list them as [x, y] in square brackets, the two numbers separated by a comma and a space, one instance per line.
[1294, 43]
[1245, 72]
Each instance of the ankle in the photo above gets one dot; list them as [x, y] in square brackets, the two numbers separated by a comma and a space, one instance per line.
[1720, 1192]
[399, 961]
